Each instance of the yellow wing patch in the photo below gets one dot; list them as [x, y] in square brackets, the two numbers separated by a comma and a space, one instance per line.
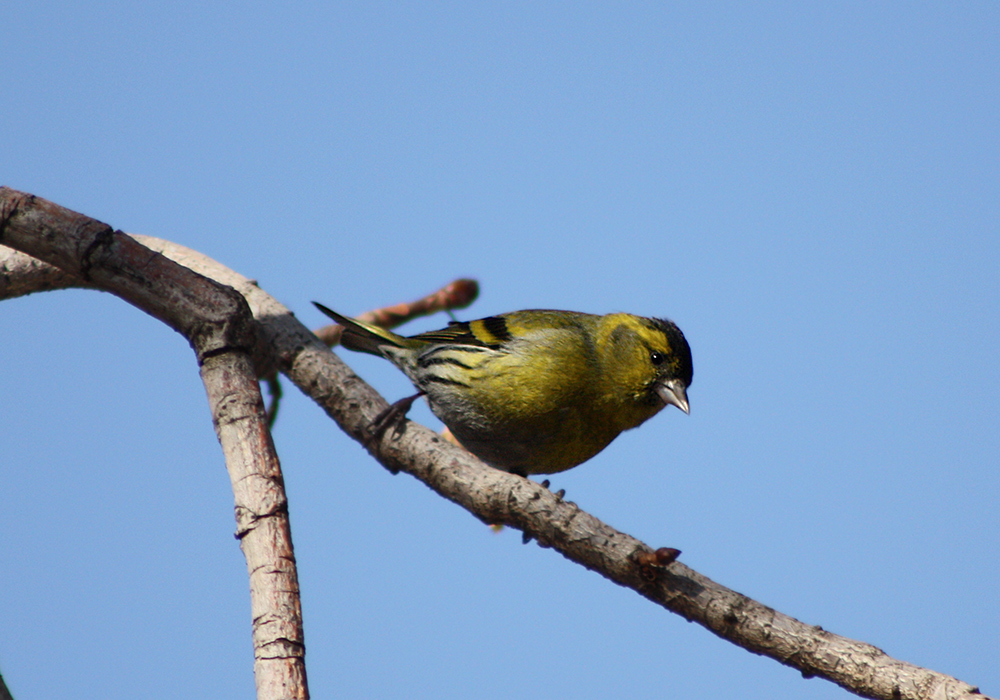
[489, 332]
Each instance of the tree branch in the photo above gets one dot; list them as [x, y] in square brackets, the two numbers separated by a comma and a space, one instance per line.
[497, 497]
[217, 322]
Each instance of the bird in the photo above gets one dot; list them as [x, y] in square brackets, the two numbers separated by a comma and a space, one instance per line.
[537, 391]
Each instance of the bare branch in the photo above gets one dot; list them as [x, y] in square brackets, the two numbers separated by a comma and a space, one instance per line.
[21, 274]
[217, 322]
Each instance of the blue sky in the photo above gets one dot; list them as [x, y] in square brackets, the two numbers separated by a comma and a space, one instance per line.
[811, 192]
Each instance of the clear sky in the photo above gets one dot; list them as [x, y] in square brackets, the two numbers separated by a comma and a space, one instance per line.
[811, 191]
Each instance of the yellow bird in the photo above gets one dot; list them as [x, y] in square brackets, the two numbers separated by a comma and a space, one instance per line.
[538, 392]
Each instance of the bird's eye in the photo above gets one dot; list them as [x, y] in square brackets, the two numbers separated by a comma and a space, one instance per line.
[657, 358]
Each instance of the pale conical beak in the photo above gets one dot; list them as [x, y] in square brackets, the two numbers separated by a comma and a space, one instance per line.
[674, 393]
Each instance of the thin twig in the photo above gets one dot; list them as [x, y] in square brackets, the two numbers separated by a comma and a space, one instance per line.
[454, 295]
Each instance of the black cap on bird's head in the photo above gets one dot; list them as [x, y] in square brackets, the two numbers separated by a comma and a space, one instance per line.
[677, 369]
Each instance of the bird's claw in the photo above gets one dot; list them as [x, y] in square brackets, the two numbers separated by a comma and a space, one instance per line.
[393, 415]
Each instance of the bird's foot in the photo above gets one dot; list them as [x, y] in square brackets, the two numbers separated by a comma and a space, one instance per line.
[391, 416]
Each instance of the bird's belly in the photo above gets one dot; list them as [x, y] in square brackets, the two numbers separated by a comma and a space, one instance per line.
[533, 442]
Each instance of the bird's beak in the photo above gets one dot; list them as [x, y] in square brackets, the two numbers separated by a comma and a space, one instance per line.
[674, 393]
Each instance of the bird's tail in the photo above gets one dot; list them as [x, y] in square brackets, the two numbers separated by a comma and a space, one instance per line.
[364, 337]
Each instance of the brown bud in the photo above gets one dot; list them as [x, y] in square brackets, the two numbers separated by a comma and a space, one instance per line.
[667, 555]
[460, 293]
